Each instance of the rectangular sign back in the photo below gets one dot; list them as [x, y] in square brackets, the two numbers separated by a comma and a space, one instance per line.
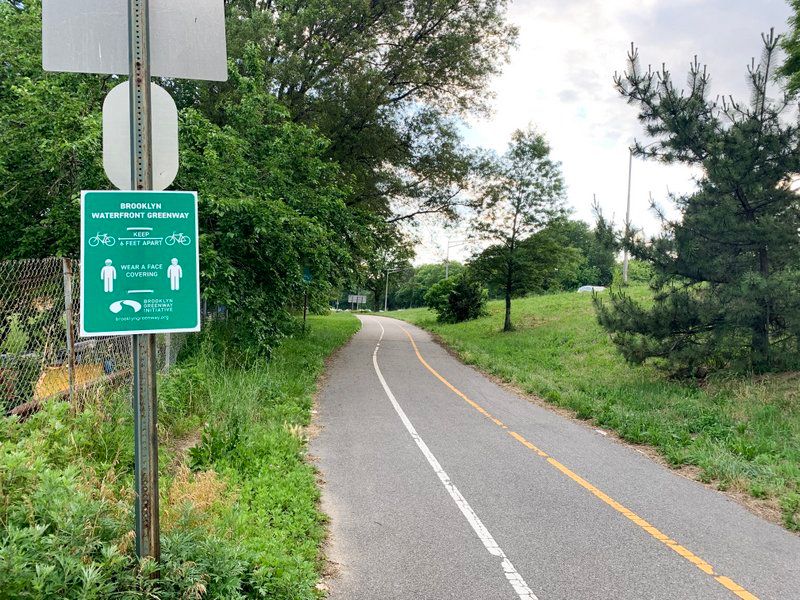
[187, 38]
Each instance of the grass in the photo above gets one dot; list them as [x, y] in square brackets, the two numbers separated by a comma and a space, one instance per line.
[742, 434]
[239, 503]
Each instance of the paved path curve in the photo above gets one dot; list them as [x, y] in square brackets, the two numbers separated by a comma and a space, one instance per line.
[441, 484]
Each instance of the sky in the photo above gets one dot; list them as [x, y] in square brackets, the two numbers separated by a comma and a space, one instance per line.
[560, 80]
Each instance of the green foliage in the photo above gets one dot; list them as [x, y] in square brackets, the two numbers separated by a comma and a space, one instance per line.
[411, 291]
[523, 192]
[726, 272]
[742, 433]
[16, 339]
[65, 517]
[639, 271]
[65, 487]
[791, 46]
[457, 299]
[437, 297]
[271, 206]
[381, 80]
[50, 141]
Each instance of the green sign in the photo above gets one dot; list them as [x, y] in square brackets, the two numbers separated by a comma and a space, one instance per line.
[307, 276]
[140, 266]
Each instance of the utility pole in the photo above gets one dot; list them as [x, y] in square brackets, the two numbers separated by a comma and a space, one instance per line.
[628, 208]
[145, 399]
[450, 244]
[627, 219]
[386, 295]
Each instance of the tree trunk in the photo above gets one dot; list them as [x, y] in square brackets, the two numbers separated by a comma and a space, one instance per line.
[761, 346]
[507, 325]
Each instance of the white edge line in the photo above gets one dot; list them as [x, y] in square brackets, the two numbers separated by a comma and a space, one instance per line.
[513, 577]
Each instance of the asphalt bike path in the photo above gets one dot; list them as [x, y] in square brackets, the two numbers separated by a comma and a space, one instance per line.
[442, 484]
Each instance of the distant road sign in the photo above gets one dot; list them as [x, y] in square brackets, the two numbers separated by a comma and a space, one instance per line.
[140, 269]
[187, 37]
[357, 299]
[117, 137]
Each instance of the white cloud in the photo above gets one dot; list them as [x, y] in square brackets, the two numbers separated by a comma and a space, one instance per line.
[560, 79]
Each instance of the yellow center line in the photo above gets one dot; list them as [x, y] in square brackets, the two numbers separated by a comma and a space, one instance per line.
[627, 513]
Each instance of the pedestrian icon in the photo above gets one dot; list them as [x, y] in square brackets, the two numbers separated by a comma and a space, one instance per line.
[108, 274]
[175, 273]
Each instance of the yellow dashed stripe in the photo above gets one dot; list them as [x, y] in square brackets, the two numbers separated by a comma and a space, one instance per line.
[726, 582]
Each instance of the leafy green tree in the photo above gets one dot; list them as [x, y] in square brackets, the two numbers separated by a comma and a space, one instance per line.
[272, 205]
[412, 291]
[271, 200]
[726, 273]
[598, 247]
[523, 193]
[436, 298]
[50, 141]
[383, 80]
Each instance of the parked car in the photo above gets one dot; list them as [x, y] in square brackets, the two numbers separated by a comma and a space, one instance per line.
[591, 288]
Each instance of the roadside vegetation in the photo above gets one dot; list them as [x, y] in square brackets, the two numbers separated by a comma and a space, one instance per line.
[739, 433]
[239, 502]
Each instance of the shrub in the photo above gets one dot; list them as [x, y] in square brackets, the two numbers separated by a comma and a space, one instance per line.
[458, 299]
[436, 297]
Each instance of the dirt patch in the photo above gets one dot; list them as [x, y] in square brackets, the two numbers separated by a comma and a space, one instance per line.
[181, 447]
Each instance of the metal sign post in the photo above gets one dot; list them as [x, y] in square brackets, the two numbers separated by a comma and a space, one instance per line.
[188, 41]
[145, 400]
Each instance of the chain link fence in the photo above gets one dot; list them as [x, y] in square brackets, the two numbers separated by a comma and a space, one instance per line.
[41, 354]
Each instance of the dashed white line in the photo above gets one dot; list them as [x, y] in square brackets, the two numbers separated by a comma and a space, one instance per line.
[511, 574]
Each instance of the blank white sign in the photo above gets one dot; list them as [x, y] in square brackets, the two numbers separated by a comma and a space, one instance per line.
[187, 38]
[117, 137]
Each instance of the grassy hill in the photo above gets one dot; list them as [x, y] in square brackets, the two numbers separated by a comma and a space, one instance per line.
[741, 434]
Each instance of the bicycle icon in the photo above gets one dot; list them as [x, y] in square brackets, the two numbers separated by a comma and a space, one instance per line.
[177, 238]
[102, 239]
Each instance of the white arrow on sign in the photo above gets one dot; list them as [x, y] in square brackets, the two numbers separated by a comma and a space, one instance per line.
[187, 37]
[117, 137]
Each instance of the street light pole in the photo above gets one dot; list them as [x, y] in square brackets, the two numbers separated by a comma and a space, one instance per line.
[627, 219]
[450, 244]
[386, 295]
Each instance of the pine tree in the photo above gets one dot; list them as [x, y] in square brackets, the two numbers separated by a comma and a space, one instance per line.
[602, 254]
[727, 285]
